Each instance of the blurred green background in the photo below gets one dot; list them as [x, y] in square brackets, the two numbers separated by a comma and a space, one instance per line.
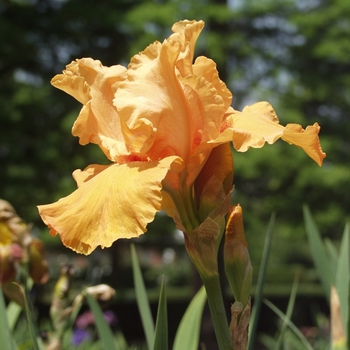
[294, 54]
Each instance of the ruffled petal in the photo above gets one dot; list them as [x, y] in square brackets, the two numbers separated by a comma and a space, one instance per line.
[186, 33]
[206, 68]
[253, 127]
[94, 85]
[207, 110]
[170, 106]
[81, 176]
[103, 208]
[152, 96]
[258, 124]
[208, 98]
[306, 139]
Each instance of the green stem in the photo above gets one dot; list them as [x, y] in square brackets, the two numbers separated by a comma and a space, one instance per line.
[217, 311]
[183, 200]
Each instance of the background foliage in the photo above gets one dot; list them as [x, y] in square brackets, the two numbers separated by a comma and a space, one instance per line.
[294, 54]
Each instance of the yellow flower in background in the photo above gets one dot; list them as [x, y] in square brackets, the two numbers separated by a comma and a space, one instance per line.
[17, 246]
[157, 121]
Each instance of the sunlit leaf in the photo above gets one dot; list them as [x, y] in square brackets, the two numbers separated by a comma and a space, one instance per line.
[104, 331]
[318, 252]
[5, 334]
[260, 284]
[142, 300]
[36, 340]
[161, 331]
[13, 312]
[332, 253]
[187, 335]
[289, 312]
[290, 324]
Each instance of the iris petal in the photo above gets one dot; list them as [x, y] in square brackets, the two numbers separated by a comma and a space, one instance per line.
[103, 208]
[218, 165]
[258, 124]
[253, 127]
[94, 85]
[170, 106]
[150, 101]
[306, 139]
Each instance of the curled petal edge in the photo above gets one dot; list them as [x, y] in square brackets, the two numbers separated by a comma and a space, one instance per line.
[94, 215]
[258, 124]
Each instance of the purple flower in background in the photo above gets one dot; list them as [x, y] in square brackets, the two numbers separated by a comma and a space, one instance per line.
[79, 336]
[110, 317]
[86, 319]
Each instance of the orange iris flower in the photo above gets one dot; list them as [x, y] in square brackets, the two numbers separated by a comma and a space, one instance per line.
[157, 121]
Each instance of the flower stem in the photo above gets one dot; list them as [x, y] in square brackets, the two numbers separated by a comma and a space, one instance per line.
[217, 311]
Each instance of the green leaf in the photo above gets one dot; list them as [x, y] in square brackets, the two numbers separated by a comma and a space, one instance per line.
[13, 308]
[260, 284]
[342, 279]
[289, 312]
[142, 300]
[104, 331]
[332, 254]
[74, 314]
[187, 335]
[121, 341]
[161, 332]
[291, 325]
[318, 252]
[36, 340]
[5, 334]
[13, 312]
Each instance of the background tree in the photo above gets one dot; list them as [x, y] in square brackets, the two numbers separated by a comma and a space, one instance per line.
[293, 54]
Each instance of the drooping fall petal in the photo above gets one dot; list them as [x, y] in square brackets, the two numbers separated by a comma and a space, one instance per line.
[118, 202]
[258, 124]
[94, 85]
[253, 127]
[306, 139]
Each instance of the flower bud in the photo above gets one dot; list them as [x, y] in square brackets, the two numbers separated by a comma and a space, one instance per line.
[337, 325]
[60, 309]
[101, 292]
[238, 267]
